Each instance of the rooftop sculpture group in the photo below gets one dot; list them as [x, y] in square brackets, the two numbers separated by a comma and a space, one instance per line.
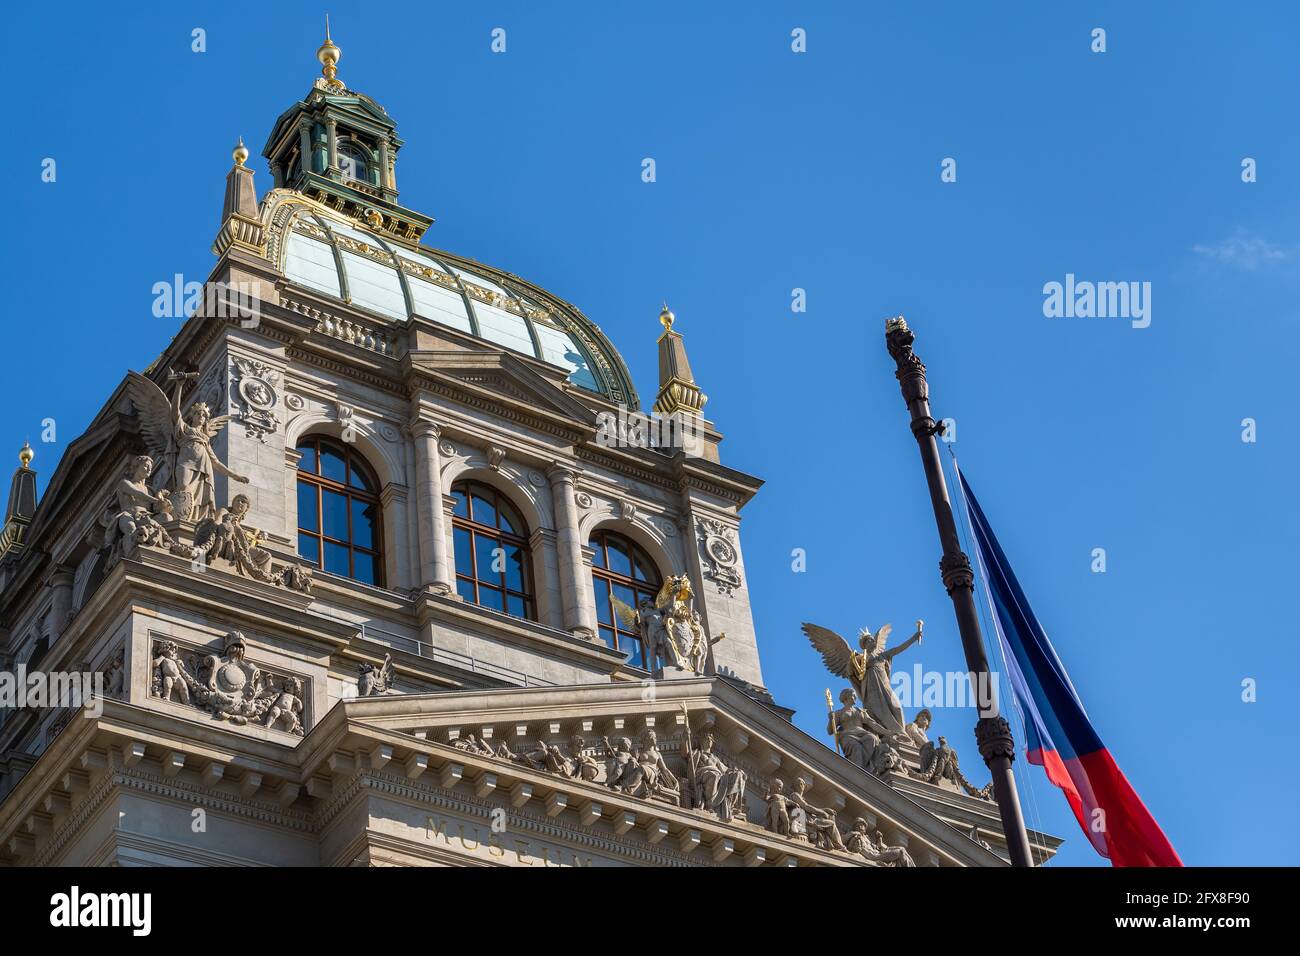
[870, 735]
[171, 490]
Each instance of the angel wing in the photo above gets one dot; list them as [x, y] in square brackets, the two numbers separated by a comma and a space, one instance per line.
[882, 638]
[626, 613]
[835, 651]
[155, 412]
[216, 424]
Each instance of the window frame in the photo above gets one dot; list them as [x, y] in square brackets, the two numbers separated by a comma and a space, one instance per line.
[503, 538]
[603, 576]
[354, 461]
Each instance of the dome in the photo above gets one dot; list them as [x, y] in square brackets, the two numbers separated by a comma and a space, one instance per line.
[316, 248]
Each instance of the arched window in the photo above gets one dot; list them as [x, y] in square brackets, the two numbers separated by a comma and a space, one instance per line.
[491, 542]
[354, 161]
[622, 571]
[339, 524]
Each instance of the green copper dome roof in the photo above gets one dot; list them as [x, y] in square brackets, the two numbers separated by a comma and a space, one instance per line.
[318, 249]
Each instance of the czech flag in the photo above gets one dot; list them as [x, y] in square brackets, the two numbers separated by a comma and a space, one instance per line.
[1061, 738]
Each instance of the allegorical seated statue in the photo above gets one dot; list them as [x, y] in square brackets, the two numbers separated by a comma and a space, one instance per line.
[547, 757]
[130, 523]
[820, 826]
[868, 671]
[649, 777]
[873, 848]
[583, 765]
[855, 730]
[718, 788]
[916, 729]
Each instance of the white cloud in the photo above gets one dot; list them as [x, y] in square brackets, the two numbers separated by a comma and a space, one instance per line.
[1244, 251]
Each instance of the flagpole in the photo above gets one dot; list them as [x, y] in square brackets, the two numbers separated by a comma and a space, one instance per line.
[992, 732]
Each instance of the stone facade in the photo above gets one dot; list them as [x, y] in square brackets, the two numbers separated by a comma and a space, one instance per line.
[309, 718]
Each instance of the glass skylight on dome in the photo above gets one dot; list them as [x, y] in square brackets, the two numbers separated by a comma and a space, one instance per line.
[432, 301]
[311, 263]
[374, 286]
[375, 281]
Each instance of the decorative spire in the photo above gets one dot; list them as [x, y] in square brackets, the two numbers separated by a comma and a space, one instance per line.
[22, 503]
[241, 224]
[329, 56]
[677, 389]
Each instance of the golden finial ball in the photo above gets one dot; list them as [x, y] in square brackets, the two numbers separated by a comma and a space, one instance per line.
[329, 54]
[240, 153]
[26, 455]
[666, 318]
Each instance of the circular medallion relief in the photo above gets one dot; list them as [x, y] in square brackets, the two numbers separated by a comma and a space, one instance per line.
[257, 394]
[721, 551]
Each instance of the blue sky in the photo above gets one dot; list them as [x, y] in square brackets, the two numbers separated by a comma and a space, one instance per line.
[818, 171]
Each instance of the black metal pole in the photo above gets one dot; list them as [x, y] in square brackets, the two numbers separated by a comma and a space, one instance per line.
[992, 732]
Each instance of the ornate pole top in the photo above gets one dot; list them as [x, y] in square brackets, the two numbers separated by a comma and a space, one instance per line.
[896, 324]
[240, 153]
[666, 318]
[329, 56]
[26, 455]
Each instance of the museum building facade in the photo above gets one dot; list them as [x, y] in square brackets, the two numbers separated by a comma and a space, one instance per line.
[372, 566]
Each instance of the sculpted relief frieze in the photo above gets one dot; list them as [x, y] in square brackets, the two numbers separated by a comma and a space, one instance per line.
[227, 685]
[689, 772]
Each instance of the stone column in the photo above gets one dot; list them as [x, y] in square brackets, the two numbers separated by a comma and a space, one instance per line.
[60, 602]
[304, 145]
[578, 616]
[432, 533]
[332, 143]
[384, 180]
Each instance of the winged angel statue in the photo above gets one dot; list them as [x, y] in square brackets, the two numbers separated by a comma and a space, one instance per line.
[669, 626]
[867, 670]
[181, 445]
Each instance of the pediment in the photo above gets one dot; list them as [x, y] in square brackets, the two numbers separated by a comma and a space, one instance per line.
[527, 740]
[499, 375]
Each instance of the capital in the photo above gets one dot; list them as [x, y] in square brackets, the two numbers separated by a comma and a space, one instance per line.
[426, 429]
[993, 735]
[560, 473]
[956, 571]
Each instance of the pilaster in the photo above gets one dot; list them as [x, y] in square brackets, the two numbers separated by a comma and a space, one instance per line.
[577, 611]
